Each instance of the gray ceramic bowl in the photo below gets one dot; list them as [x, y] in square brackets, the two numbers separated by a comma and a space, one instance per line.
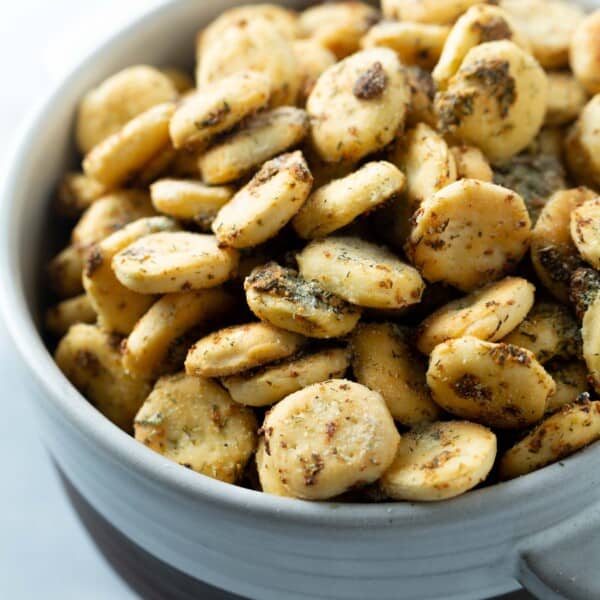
[539, 530]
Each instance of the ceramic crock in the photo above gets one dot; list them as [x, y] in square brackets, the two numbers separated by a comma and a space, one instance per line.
[540, 531]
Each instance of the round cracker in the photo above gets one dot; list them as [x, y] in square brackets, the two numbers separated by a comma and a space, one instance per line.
[496, 100]
[488, 313]
[266, 203]
[469, 233]
[162, 263]
[194, 422]
[440, 461]
[573, 427]
[270, 384]
[361, 273]
[358, 105]
[239, 348]
[281, 297]
[262, 137]
[329, 437]
[498, 385]
[338, 203]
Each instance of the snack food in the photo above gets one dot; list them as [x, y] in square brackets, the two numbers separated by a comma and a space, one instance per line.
[488, 314]
[469, 233]
[553, 253]
[240, 348]
[440, 461]
[574, 426]
[194, 422]
[165, 262]
[285, 299]
[361, 273]
[311, 439]
[394, 371]
[358, 105]
[496, 99]
[266, 204]
[338, 203]
[496, 384]
[304, 270]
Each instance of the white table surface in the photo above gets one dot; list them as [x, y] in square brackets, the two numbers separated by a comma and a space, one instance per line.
[44, 551]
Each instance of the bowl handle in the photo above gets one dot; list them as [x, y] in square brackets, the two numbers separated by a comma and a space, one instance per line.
[562, 563]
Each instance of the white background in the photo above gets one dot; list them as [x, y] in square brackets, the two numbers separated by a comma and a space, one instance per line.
[44, 552]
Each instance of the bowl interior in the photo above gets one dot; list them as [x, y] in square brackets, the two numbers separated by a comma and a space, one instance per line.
[29, 237]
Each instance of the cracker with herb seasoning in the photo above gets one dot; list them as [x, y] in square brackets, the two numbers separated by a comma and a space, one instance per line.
[267, 385]
[549, 331]
[361, 273]
[259, 139]
[338, 203]
[91, 359]
[338, 26]
[468, 234]
[480, 24]
[285, 299]
[495, 384]
[496, 100]
[252, 44]
[118, 307]
[573, 427]
[118, 158]
[358, 105]
[168, 320]
[553, 253]
[383, 360]
[240, 348]
[488, 313]
[105, 109]
[194, 422]
[218, 107]
[439, 461]
[174, 261]
[260, 209]
[328, 438]
[189, 200]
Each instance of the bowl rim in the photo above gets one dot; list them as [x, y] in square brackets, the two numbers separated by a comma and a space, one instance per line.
[143, 461]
